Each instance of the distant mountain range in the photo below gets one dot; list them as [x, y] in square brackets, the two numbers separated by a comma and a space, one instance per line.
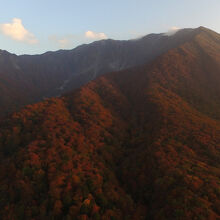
[27, 79]
[142, 141]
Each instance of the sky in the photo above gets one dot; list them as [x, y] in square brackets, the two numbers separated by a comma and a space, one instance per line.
[37, 26]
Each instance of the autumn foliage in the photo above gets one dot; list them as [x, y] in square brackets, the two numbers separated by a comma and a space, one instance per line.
[137, 144]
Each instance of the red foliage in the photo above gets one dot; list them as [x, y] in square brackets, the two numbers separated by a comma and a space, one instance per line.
[136, 144]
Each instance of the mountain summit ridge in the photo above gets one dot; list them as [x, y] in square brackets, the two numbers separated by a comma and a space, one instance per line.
[27, 79]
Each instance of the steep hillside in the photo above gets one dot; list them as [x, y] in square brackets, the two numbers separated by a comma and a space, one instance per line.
[28, 79]
[143, 143]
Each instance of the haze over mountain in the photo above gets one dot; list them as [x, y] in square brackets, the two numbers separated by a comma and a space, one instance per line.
[139, 143]
[26, 79]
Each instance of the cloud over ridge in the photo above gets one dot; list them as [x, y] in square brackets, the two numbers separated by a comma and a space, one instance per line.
[63, 42]
[94, 35]
[172, 31]
[69, 40]
[17, 31]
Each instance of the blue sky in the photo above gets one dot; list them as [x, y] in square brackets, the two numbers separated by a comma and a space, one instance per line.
[36, 26]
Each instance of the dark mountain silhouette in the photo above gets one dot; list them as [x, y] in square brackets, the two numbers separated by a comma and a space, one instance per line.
[26, 79]
[141, 143]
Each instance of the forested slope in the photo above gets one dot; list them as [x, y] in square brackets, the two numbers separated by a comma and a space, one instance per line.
[137, 144]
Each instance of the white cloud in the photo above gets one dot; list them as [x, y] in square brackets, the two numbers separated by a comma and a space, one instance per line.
[71, 40]
[172, 31]
[62, 41]
[16, 31]
[93, 35]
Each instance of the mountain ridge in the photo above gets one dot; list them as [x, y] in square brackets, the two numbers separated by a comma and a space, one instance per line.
[35, 77]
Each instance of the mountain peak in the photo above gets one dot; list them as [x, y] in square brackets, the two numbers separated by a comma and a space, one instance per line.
[203, 29]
